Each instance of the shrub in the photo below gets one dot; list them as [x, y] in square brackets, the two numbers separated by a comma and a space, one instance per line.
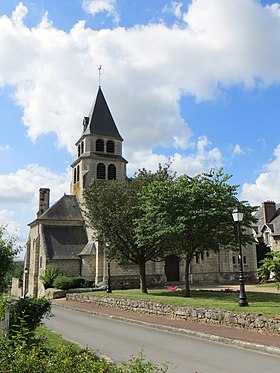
[66, 282]
[3, 304]
[40, 359]
[27, 314]
[270, 266]
[50, 274]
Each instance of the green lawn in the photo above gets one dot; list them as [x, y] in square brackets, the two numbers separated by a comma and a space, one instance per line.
[259, 302]
[53, 339]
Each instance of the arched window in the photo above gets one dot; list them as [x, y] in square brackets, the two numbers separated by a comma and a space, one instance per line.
[111, 172]
[79, 150]
[110, 146]
[75, 175]
[99, 145]
[101, 171]
[78, 173]
[82, 147]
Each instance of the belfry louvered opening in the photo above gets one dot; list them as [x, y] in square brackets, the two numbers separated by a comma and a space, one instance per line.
[110, 147]
[101, 171]
[99, 145]
[111, 172]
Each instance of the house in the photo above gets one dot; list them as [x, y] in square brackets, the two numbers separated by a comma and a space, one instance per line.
[267, 229]
[60, 238]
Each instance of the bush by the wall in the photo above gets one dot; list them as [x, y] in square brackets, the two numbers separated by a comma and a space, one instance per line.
[48, 277]
[65, 282]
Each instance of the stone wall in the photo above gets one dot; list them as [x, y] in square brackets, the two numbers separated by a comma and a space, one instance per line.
[240, 320]
[16, 290]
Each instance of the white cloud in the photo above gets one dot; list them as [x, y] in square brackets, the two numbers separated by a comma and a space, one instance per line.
[19, 193]
[8, 220]
[201, 160]
[96, 6]
[267, 184]
[237, 150]
[175, 8]
[4, 148]
[146, 70]
[21, 187]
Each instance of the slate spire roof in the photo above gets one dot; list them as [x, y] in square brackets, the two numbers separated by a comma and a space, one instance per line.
[100, 121]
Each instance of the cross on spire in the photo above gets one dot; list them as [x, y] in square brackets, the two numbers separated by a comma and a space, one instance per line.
[99, 75]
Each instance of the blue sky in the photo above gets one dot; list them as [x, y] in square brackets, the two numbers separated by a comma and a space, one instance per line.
[196, 81]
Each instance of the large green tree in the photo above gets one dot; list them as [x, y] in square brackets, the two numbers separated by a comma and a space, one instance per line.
[111, 208]
[191, 214]
[8, 253]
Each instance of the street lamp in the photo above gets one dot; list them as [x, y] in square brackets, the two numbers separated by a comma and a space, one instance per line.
[109, 289]
[237, 215]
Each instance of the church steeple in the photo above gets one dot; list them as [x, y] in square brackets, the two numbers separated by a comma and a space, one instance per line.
[99, 149]
[100, 121]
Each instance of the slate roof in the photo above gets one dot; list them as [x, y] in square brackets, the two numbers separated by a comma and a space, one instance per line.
[100, 121]
[66, 208]
[64, 242]
[273, 224]
[89, 249]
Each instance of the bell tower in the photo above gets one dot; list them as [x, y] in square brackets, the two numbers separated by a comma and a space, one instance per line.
[99, 149]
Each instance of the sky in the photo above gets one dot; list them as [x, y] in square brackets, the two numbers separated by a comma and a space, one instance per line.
[193, 81]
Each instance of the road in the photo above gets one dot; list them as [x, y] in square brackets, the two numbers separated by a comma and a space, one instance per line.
[119, 340]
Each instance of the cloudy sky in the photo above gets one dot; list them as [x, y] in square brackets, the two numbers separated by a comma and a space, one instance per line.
[196, 81]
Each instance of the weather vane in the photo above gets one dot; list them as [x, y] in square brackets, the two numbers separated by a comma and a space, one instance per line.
[99, 74]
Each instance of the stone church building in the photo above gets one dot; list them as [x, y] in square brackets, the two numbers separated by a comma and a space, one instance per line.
[59, 237]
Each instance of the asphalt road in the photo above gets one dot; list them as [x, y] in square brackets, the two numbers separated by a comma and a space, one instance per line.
[119, 340]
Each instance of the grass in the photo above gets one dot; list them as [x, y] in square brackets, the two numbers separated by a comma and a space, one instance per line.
[259, 302]
[53, 339]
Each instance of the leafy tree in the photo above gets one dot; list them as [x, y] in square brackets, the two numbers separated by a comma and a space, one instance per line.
[111, 210]
[191, 214]
[8, 253]
[270, 265]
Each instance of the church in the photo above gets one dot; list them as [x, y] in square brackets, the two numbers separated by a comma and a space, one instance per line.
[59, 236]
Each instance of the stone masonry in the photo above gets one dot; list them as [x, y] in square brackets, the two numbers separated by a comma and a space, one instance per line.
[215, 316]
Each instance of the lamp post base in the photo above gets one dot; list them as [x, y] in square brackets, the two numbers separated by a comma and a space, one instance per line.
[242, 294]
[243, 302]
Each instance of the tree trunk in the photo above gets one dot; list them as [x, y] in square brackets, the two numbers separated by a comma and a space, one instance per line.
[143, 281]
[187, 275]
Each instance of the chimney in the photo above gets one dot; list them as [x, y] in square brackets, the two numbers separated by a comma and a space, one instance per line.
[44, 201]
[269, 210]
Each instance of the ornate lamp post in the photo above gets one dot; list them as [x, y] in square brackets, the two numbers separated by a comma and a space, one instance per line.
[109, 289]
[237, 215]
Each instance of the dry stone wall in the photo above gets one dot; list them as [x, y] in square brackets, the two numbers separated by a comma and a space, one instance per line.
[214, 316]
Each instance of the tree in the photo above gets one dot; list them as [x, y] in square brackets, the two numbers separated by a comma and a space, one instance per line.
[270, 266]
[192, 214]
[111, 208]
[8, 253]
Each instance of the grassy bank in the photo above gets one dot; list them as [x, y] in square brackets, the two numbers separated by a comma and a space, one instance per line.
[259, 302]
[50, 353]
